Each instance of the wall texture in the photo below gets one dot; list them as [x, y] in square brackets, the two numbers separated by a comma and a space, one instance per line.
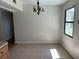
[72, 44]
[33, 28]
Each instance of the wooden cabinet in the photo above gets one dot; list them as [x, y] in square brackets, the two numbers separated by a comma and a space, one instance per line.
[5, 56]
[4, 52]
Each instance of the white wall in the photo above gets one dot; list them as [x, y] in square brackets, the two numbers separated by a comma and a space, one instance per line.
[72, 45]
[33, 28]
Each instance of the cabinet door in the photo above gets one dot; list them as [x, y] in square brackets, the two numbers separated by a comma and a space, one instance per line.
[5, 56]
[4, 50]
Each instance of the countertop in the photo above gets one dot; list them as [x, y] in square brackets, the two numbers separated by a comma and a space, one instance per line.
[2, 44]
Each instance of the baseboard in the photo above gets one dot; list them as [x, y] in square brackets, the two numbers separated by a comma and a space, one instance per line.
[38, 43]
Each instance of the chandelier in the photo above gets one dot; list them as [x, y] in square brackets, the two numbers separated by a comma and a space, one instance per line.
[38, 9]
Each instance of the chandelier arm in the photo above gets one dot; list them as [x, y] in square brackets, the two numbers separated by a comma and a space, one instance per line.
[38, 9]
[37, 0]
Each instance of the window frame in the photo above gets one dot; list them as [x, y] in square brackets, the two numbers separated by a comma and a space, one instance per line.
[65, 22]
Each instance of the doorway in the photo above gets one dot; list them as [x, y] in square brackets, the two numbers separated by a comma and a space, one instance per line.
[7, 27]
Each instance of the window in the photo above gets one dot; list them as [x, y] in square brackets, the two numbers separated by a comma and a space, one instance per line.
[69, 22]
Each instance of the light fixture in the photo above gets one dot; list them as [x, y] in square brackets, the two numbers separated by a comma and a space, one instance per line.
[38, 9]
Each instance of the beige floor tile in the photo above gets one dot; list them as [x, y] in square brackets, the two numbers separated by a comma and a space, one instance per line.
[37, 52]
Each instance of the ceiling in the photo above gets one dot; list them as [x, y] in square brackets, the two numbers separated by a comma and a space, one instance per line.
[45, 2]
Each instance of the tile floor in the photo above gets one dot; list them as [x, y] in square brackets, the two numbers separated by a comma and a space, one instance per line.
[38, 52]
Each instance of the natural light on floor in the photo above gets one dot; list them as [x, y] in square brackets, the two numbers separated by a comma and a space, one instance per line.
[54, 54]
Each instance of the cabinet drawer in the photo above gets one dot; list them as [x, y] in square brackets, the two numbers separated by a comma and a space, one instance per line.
[4, 50]
[5, 56]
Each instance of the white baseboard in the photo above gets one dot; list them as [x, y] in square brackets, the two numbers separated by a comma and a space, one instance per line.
[37, 42]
